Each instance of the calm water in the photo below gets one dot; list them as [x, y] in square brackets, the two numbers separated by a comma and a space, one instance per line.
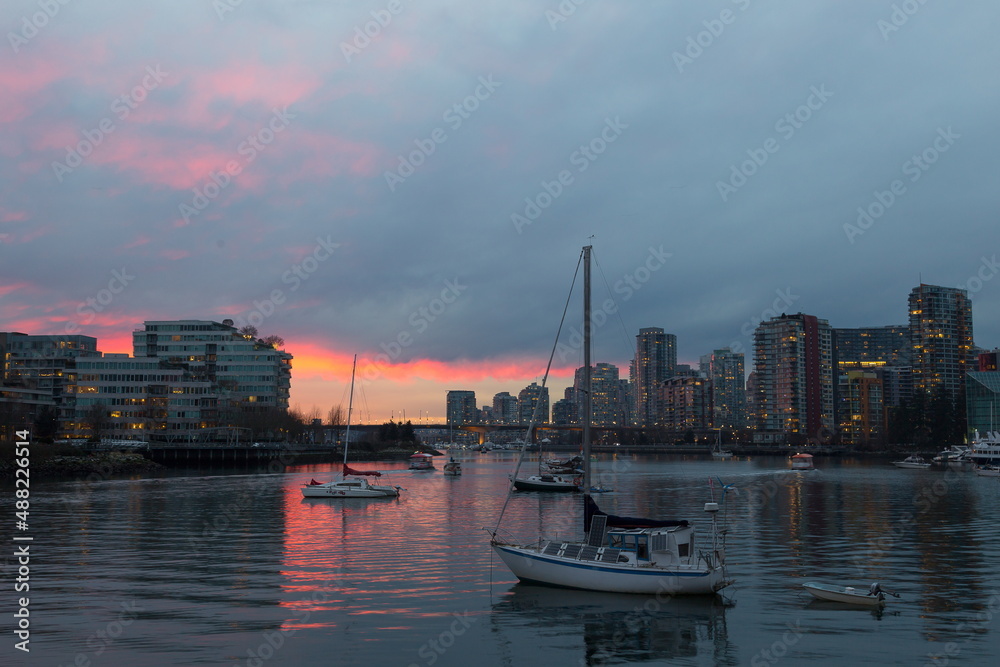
[239, 569]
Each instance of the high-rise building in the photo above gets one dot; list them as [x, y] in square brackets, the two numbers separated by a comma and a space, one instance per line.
[724, 370]
[861, 412]
[606, 405]
[686, 401]
[531, 396]
[793, 363]
[940, 338]
[655, 359]
[461, 407]
[505, 408]
[867, 348]
[565, 412]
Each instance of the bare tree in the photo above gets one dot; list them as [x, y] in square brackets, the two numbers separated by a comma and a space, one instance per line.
[274, 341]
[249, 331]
[97, 418]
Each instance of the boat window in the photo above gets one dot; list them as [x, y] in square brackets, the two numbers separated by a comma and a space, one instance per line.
[682, 550]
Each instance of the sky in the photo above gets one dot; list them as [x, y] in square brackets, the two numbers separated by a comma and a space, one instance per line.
[412, 182]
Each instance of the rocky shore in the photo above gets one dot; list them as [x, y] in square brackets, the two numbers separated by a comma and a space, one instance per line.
[103, 464]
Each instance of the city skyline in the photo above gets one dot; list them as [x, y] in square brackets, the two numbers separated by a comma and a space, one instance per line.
[413, 185]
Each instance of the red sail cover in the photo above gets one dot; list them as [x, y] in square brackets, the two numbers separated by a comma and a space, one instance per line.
[349, 471]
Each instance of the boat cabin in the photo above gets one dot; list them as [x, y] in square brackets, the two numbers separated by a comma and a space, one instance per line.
[663, 546]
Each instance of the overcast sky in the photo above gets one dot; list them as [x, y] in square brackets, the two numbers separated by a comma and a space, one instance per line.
[416, 179]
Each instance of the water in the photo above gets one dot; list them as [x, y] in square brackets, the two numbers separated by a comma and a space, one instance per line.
[239, 569]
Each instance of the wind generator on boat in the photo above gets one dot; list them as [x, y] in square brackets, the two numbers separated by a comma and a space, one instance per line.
[619, 554]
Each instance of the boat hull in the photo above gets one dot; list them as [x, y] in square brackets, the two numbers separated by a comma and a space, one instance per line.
[335, 491]
[912, 466]
[531, 484]
[531, 566]
[841, 594]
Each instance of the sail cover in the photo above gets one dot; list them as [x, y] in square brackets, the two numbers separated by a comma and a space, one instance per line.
[351, 471]
[590, 508]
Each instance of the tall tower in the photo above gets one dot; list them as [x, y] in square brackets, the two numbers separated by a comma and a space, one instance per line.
[655, 360]
[793, 363]
[461, 407]
[728, 387]
[940, 337]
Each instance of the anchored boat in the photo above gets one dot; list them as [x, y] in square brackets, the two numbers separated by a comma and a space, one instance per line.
[619, 554]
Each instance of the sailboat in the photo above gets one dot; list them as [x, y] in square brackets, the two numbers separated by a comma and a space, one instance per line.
[350, 488]
[619, 554]
[717, 451]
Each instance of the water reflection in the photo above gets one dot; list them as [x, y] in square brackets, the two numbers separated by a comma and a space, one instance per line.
[606, 628]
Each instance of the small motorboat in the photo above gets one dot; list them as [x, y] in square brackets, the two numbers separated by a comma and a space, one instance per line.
[873, 597]
[988, 471]
[802, 462]
[421, 461]
[912, 461]
[452, 467]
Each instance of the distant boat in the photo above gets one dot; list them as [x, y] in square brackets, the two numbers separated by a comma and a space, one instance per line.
[802, 462]
[452, 467]
[912, 461]
[717, 451]
[568, 466]
[985, 449]
[421, 461]
[350, 488]
[547, 482]
[988, 471]
[956, 456]
[873, 597]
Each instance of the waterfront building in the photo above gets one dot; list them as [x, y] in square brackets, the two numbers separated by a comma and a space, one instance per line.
[257, 375]
[531, 396]
[687, 402]
[655, 361]
[987, 361]
[940, 338]
[725, 372]
[862, 418]
[606, 403]
[505, 408]
[982, 401]
[793, 362]
[565, 412]
[461, 407]
[42, 370]
[897, 384]
[139, 398]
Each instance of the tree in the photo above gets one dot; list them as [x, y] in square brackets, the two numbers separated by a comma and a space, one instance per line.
[335, 417]
[274, 341]
[249, 331]
[97, 419]
[46, 424]
[406, 433]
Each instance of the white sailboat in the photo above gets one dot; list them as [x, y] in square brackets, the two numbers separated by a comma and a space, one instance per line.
[717, 451]
[350, 488]
[619, 554]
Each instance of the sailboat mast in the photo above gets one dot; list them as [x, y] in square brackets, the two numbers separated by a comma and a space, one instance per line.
[350, 407]
[587, 407]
